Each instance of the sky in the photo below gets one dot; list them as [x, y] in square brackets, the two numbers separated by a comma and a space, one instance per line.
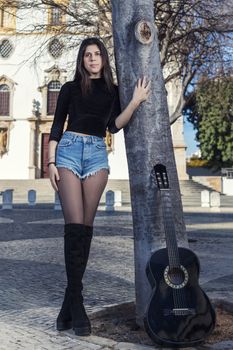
[189, 138]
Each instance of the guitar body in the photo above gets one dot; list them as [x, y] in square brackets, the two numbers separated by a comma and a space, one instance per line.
[179, 313]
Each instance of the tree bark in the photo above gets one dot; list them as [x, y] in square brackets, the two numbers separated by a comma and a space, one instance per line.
[147, 136]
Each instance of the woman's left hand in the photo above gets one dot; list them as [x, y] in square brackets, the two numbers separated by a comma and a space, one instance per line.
[141, 91]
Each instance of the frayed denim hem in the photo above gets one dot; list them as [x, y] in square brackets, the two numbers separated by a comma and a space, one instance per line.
[84, 177]
[69, 168]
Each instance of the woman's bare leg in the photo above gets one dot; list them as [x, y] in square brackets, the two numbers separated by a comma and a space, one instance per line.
[70, 194]
[93, 187]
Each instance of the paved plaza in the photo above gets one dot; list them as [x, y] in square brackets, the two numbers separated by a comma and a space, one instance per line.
[32, 273]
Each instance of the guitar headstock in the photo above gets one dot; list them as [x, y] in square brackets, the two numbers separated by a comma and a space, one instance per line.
[161, 176]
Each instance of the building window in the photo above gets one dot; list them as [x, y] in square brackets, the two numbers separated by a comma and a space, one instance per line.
[5, 17]
[6, 48]
[56, 16]
[55, 48]
[53, 91]
[1, 17]
[8, 17]
[4, 100]
[54, 78]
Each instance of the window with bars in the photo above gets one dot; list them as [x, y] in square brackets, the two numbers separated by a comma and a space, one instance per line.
[6, 48]
[53, 91]
[56, 16]
[55, 48]
[4, 100]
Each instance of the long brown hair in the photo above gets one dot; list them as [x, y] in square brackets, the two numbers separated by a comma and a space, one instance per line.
[82, 75]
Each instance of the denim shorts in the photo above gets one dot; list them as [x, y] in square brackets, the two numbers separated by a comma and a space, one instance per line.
[83, 155]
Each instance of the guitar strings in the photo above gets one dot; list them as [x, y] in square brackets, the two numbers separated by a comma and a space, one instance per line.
[171, 253]
[179, 297]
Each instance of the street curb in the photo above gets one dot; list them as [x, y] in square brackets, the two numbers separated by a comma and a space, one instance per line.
[223, 304]
[106, 310]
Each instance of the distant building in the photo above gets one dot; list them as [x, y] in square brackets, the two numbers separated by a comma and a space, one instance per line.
[34, 63]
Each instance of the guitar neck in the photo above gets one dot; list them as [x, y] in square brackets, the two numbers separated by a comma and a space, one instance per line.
[169, 227]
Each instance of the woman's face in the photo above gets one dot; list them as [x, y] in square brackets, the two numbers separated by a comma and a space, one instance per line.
[92, 61]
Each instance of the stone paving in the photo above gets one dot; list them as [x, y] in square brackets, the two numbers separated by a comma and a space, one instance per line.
[32, 273]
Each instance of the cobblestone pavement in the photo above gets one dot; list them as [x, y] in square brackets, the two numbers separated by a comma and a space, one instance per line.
[32, 273]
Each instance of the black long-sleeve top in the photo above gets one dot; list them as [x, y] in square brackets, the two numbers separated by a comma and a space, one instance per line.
[91, 114]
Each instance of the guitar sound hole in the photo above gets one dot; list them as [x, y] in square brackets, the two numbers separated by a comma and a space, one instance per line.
[176, 276]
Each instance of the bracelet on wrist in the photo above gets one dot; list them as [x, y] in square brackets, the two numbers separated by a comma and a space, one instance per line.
[50, 163]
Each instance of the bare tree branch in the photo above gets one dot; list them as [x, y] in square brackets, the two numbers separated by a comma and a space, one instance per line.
[195, 36]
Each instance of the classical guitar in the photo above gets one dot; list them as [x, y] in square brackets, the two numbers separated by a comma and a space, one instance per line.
[179, 313]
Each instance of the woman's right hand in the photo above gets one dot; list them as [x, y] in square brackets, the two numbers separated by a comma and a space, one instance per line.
[53, 176]
[141, 91]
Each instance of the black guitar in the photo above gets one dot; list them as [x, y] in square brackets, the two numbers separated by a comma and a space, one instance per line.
[179, 313]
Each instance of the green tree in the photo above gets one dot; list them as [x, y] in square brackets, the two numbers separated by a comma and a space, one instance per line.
[211, 112]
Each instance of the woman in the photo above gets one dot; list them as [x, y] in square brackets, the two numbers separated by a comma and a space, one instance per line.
[78, 164]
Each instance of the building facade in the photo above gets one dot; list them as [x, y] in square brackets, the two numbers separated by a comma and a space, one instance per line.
[34, 63]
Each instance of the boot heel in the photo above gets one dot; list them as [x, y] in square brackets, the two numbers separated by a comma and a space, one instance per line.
[82, 331]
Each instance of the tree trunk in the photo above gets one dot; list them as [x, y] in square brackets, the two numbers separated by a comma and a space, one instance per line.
[147, 136]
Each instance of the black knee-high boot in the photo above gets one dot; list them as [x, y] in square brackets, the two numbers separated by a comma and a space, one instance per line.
[64, 319]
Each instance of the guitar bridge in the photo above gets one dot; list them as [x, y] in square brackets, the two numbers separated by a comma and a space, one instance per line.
[179, 312]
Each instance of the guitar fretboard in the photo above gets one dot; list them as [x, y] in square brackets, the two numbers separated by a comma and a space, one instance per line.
[169, 227]
[179, 296]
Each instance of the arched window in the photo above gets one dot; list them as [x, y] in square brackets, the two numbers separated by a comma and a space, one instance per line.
[53, 91]
[4, 100]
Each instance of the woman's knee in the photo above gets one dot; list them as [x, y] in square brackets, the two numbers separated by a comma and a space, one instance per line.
[74, 221]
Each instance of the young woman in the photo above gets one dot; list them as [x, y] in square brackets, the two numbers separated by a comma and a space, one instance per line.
[78, 163]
